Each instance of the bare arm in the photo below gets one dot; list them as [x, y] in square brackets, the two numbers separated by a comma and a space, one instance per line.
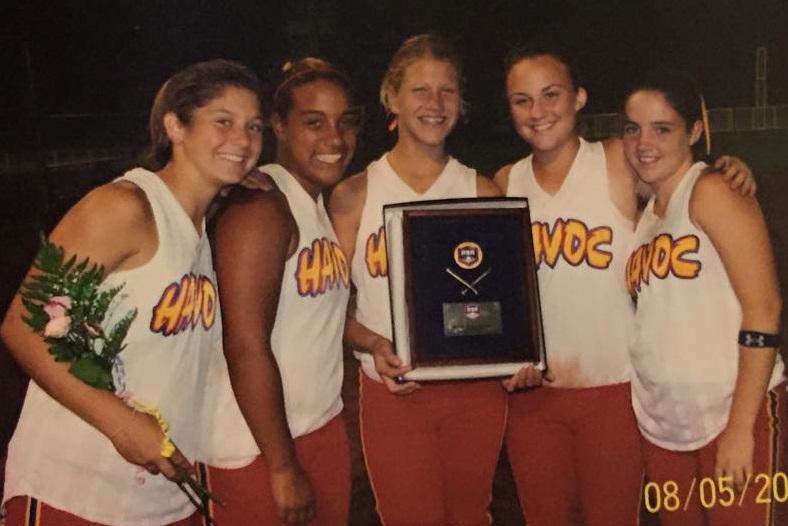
[345, 209]
[736, 227]
[258, 227]
[625, 187]
[501, 178]
[622, 180]
[114, 227]
[486, 188]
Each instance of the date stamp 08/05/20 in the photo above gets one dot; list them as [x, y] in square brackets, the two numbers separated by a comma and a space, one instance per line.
[710, 492]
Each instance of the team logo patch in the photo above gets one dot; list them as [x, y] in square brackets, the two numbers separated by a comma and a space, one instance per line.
[468, 255]
[472, 311]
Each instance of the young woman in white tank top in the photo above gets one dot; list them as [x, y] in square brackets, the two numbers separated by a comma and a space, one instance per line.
[430, 449]
[76, 453]
[277, 449]
[708, 386]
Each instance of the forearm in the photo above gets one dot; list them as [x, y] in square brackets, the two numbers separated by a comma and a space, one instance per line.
[752, 381]
[257, 385]
[755, 363]
[360, 338]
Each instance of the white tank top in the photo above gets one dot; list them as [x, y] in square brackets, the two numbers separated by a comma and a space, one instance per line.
[369, 266]
[581, 242]
[306, 339]
[685, 358]
[60, 459]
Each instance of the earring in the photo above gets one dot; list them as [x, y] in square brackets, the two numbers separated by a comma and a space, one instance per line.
[393, 124]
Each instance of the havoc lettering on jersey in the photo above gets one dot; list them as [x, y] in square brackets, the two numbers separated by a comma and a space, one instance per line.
[573, 241]
[184, 304]
[375, 254]
[321, 266]
[660, 258]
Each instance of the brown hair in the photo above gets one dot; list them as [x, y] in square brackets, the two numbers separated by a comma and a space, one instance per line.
[683, 95]
[184, 92]
[544, 48]
[304, 71]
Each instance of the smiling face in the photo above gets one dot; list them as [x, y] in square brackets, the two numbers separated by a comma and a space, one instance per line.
[318, 137]
[657, 141]
[543, 102]
[427, 101]
[223, 139]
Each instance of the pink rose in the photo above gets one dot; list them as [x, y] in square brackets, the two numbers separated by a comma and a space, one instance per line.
[58, 327]
[58, 307]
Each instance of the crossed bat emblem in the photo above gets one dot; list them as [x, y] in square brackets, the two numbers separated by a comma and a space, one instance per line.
[468, 286]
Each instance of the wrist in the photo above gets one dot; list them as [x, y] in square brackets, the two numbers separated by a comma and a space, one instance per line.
[740, 425]
[379, 345]
[281, 462]
[112, 419]
[284, 467]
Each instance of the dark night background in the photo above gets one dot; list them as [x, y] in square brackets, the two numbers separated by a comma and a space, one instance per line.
[79, 76]
[96, 56]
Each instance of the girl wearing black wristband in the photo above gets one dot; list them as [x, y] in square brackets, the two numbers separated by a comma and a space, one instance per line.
[708, 386]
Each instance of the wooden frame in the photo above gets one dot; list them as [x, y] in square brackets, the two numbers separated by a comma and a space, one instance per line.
[463, 287]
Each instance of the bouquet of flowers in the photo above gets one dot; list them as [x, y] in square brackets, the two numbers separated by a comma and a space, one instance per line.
[66, 306]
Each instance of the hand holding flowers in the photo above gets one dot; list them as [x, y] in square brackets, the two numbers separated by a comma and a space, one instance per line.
[69, 309]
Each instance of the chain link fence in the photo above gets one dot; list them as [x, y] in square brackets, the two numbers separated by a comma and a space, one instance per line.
[720, 120]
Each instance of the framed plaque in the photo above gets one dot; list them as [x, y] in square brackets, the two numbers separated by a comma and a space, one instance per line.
[463, 287]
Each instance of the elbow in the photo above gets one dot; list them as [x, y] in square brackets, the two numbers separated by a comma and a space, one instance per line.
[12, 339]
[7, 330]
[238, 351]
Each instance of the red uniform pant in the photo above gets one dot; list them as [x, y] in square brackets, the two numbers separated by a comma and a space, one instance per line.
[26, 511]
[575, 456]
[683, 490]
[325, 456]
[431, 455]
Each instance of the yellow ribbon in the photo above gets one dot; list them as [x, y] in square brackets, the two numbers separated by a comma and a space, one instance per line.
[704, 113]
[167, 447]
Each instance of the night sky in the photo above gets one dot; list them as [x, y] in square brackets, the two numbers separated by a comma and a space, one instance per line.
[109, 56]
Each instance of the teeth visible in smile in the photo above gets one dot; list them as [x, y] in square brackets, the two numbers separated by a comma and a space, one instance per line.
[329, 158]
[433, 120]
[647, 159]
[232, 158]
[542, 127]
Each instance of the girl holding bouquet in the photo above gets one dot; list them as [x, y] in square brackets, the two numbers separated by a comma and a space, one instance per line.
[81, 455]
[278, 452]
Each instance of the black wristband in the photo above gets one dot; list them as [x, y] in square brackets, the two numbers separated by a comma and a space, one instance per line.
[758, 339]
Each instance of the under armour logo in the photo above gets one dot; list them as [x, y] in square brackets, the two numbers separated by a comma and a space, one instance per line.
[751, 340]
